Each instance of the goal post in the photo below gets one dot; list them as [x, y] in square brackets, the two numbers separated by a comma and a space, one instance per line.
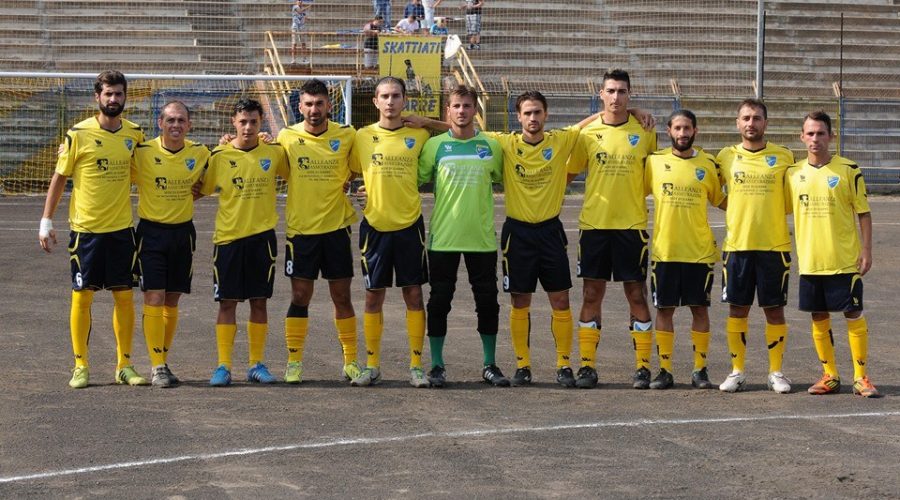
[36, 110]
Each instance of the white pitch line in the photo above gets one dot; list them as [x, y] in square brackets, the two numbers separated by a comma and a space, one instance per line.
[426, 435]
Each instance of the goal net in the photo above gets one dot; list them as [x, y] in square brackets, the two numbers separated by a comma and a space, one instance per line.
[36, 110]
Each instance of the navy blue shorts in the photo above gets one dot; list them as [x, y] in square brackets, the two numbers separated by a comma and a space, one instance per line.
[103, 260]
[674, 284]
[613, 254]
[764, 273]
[385, 253]
[533, 252]
[245, 268]
[166, 255]
[329, 253]
[831, 292]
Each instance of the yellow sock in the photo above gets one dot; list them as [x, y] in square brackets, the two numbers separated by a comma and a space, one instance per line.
[824, 341]
[373, 327]
[80, 324]
[256, 339]
[295, 337]
[588, 340]
[701, 348]
[561, 328]
[519, 329]
[665, 344]
[155, 334]
[225, 343]
[346, 332]
[643, 344]
[858, 332]
[415, 329]
[123, 325]
[736, 330]
[170, 318]
[776, 338]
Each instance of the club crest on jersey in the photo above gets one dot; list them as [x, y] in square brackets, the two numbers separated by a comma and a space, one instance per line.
[265, 164]
[482, 152]
[770, 160]
[410, 142]
[832, 181]
[700, 173]
[335, 144]
[190, 163]
[129, 144]
[547, 153]
[633, 139]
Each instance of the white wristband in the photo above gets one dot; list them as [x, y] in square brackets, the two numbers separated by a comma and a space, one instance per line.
[46, 227]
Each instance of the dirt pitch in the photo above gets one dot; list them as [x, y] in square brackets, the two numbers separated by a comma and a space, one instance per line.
[325, 439]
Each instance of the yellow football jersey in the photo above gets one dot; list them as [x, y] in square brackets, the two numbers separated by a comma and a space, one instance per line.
[534, 175]
[99, 163]
[389, 163]
[825, 202]
[164, 179]
[247, 189]
[614, 187]
[757, 207]
[680, 188]
[320, 166]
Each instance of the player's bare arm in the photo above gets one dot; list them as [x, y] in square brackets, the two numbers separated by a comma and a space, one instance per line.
[865, 254]
[46, 234]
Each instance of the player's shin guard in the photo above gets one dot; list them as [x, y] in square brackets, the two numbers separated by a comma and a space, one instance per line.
[642, 337]
[519, 329]
[256, 339]
[736, 331]
[296, 326]
[665, 345]
[155, 334]
[123, 325]
[346, 333]
[858, 333]
[170, 318]
[225, 343]
[588, 340]
[561, 327]
[824, 341]
[415, 330]
[80, 324]
[373, 326]
[776, 338]
[701, 348]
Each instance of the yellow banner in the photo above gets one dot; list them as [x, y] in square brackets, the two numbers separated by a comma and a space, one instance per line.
[417, 61]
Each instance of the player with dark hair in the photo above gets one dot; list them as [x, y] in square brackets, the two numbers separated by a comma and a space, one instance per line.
[244, 173]
[682, 179]
[533, 240]
[613, 225]
[463, 163]
[165, 169]
[97, 155]
[318, 216]
[757, 246]
[392, 232]
[826, 191]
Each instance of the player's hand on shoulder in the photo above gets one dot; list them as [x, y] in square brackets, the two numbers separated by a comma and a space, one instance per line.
[225, 139]
[648, 122]
[266, 137]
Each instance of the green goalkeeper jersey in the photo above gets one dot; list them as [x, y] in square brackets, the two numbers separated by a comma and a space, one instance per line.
[463, 171]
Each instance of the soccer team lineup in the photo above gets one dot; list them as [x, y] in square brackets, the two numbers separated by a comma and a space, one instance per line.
[758, 185]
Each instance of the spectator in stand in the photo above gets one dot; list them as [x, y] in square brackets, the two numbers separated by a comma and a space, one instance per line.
[408, 24]
[430, 6]
[473, 22]
[415, 8]
[439, 27]
[383, 9]
[370, 44]
[298, 23]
